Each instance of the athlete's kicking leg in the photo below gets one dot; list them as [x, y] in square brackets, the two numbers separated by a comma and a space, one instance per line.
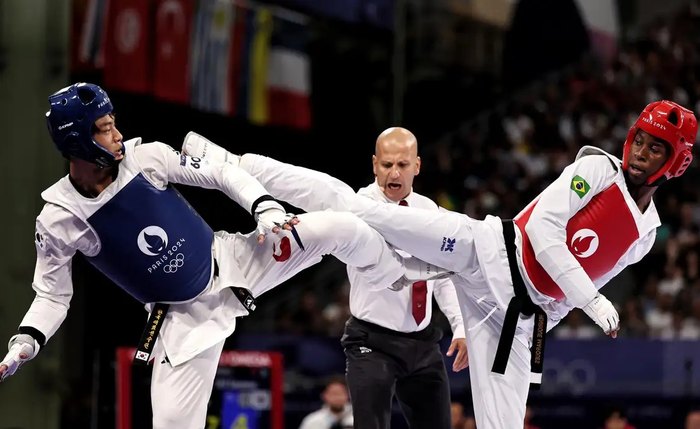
[440, 238]
[340, 234]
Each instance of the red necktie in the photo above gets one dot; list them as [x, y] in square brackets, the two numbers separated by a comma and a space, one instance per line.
[419, 293]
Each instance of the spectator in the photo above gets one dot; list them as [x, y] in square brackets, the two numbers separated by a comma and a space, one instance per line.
[616, 418]
[336, 412]
[576, 327]
[635, 326]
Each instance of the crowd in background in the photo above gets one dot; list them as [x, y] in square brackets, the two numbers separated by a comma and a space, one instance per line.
[498, 162]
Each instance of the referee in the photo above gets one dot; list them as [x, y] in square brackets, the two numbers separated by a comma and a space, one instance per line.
[390, 345]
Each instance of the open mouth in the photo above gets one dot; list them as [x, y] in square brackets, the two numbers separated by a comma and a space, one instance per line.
[635, 170]
[394, 186]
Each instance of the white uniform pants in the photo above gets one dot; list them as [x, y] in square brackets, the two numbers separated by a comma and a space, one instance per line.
[179, 394]
[445, 239]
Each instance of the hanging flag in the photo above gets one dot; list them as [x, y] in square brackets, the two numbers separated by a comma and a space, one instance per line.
[127, 65]
[210, 56]
[250, 62]
[289, 74]
[259, 63]
[246, 30]
[171, 71]
[87, 34]
[238, 60]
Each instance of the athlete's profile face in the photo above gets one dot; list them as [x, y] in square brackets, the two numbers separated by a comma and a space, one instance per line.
[647, 155]
[395, 164]
[108, 136]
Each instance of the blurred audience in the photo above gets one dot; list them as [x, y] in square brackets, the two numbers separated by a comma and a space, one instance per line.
[576, 326]
[497, 162]
[336, 412]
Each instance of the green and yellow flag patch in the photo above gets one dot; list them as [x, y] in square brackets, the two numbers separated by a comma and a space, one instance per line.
[580, 186]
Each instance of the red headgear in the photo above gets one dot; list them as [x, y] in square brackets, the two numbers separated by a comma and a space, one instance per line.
[673, 124]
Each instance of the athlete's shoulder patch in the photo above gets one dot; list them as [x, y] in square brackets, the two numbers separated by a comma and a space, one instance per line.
[580, 186]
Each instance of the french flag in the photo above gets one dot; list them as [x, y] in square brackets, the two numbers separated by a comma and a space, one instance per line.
[289, 73]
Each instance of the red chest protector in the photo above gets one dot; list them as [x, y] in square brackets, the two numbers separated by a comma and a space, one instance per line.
[598, 236]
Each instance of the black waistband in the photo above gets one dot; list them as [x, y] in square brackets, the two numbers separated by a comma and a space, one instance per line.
[430, 333]
[150, 333]
[519, 304]
[160, 310]
[529, 308]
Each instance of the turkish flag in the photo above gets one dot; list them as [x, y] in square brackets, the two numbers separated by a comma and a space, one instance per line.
[127, 48]
[171, 71]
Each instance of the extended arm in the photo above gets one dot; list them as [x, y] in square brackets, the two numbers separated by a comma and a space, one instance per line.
[52, 284]
[163, 165]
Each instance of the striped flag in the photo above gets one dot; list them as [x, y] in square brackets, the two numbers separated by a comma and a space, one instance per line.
[171, 72]
[90, 49]
[251, 62]
[210, 56]
[275, 72]
[259, 61]
[289, 74]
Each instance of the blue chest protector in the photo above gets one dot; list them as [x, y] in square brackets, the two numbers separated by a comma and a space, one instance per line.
[154, 245]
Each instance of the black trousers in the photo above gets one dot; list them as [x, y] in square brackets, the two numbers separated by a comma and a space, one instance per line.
[381, 363]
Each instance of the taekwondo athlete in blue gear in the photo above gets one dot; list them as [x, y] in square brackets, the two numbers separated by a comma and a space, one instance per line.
[117, 206]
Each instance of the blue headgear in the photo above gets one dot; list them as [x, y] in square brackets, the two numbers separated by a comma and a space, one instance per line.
[71, 119]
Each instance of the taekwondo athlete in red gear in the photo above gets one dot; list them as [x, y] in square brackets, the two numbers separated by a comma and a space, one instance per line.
[594, 220]
[117, 206]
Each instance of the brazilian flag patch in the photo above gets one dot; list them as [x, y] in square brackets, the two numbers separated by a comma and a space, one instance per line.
[580, 186]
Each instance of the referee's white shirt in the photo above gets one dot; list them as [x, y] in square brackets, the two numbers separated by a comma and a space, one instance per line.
[391, 309]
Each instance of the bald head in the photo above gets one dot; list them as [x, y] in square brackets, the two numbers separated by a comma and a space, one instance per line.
[396, 162]
[396, 138]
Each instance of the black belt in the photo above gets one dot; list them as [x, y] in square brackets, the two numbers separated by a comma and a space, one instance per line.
[148, 338]
[155, 321]
[520, 304]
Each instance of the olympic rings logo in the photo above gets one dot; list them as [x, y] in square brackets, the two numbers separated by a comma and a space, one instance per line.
[576, 377]
[174, 264]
